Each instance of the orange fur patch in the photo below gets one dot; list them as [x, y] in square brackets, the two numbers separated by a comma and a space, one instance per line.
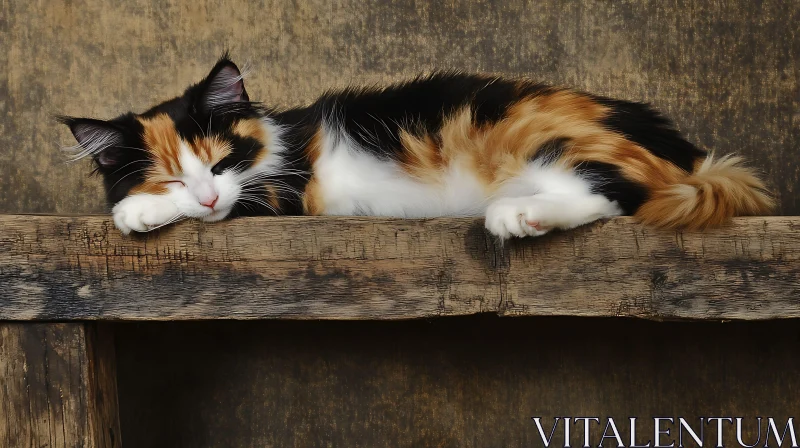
[210, 150]
[254, 129]
[500, 151]
[250, 128]
[313, 203]
[570, 106]
[717, 191]
[162, 141]
[272, 197]
[421, 157]
[149, 188]
[312, 199]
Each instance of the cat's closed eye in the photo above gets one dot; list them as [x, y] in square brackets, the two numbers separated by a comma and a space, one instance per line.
[174, 182]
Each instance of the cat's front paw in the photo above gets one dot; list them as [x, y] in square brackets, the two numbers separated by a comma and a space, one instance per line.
[143, 212]
[519, 217]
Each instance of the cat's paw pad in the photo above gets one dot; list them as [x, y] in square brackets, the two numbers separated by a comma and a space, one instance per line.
[516, 217]
[141, 213]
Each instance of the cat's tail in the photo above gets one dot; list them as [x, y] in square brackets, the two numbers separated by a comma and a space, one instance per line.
[716, 191]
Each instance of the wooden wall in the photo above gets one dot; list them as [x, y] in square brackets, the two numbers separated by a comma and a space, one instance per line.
[727, 70]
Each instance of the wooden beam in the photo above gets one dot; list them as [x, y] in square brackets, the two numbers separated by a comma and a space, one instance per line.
[58, 386]
[365, 268]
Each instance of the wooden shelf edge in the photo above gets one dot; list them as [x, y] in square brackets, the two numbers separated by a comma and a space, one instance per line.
[80, 268]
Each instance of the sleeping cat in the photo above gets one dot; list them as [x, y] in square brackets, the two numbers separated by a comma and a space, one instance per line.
[527, 156]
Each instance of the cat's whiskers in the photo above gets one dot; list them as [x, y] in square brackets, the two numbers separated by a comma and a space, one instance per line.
[385, 126]
[128, 164]
[174, 219]
[257, 201]
[248, 207]
[200, 127]
[236, 167]
[371, 138]
[266, 188]
[123, 177]
[256, 177]
[277, 172]
[273, 183]
[277, 184]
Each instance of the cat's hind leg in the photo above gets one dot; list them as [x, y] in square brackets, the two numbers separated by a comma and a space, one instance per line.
[537, 214]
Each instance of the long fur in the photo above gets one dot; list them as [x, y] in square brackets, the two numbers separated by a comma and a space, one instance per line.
[717, 191]
[528, 156]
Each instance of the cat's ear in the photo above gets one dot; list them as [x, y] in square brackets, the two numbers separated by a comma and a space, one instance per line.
[95, 138]
[223, 85]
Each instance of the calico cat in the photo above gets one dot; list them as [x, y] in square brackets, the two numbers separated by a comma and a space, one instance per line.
[528, 156]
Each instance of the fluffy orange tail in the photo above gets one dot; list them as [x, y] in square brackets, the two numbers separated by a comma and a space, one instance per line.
[716, 191]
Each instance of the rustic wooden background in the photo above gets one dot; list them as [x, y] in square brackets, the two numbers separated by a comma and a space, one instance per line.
[727, 71]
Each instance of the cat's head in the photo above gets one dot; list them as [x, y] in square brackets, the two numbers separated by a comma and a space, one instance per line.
[196, 148]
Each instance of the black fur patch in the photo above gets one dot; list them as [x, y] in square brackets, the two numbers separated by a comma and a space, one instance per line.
[374, 117]
[551, 150]
[122, 165]
[607, 180]
[646, 127]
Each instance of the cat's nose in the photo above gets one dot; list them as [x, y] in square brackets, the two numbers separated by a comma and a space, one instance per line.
[210, 202]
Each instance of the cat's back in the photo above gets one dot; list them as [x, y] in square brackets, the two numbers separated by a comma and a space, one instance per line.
[422, 105]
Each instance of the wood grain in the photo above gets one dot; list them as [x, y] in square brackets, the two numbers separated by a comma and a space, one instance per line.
[57, 389]
[104, 418]
[449, 382]
[726, 71]
[364, 268]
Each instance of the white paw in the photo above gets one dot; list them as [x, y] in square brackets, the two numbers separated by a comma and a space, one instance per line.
[518, 217]
[143, 212]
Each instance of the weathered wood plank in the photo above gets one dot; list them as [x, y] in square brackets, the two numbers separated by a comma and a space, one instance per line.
[363, 268]
[57, 386]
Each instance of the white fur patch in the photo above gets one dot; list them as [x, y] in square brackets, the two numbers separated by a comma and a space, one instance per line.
[538, 214]
[275, 148]
[546, 195]
[143, 212]
[356, 182]
[201, 185]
